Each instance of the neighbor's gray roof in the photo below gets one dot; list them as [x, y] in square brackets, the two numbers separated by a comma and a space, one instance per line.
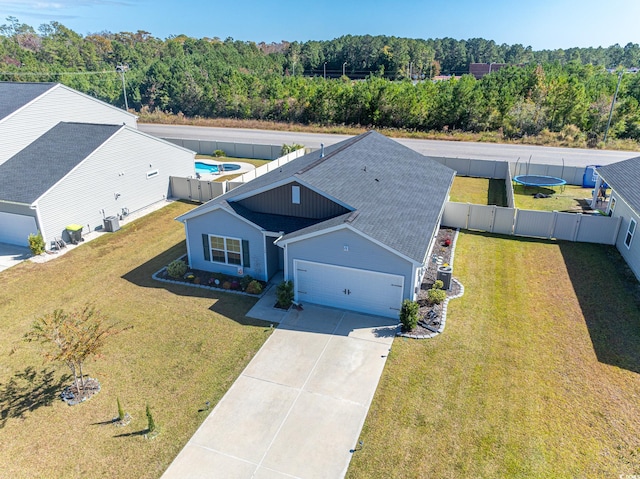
[14, 95]
[396, 193]
[624, 178]
[28, 174]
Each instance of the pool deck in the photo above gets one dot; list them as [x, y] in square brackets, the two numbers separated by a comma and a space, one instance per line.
[244, 167]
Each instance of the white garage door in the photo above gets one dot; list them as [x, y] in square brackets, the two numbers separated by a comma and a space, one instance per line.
[15, 229]
[354, 289]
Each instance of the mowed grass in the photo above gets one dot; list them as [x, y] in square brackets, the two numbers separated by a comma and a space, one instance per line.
[536, 374]
[185, 346]
[478, 191]
[569, 198]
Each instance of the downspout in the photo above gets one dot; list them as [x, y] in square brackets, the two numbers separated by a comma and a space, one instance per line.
[186, 232]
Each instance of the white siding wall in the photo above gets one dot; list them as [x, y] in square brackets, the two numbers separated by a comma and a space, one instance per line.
[329, 248]
[58, 104]
[220, 222]
[632, 254]
[119, 166]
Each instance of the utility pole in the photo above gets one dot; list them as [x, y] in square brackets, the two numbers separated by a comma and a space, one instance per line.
[325, 70]
[613, 102]
[121, 69]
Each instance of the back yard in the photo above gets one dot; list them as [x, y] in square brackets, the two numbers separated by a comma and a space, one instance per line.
[535, 376]
[186, 346]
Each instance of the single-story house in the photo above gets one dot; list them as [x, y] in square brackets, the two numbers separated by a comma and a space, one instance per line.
[80, 173]
[623, 178]
[351, 225]
[27, 110]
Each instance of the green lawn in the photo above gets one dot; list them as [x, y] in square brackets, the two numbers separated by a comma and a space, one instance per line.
[536, 374]
[478, 191]
[186, 346]
[569, 198]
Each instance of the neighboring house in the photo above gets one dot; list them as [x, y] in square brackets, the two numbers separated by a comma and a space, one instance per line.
[78, 173]
[623, 178]
[352, 225]
[27, 110]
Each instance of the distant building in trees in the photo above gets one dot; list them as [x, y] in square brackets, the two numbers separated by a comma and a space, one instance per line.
[479, 70]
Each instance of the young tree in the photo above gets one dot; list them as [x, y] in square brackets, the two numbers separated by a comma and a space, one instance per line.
[72, 338]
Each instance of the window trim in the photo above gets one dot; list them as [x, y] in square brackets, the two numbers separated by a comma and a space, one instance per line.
[631, 231]
[226, 250]
[295, 194]
[612, 205]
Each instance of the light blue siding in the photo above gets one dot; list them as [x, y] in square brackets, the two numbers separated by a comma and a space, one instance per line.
[631, 254]
[361, 253]
[223, 223]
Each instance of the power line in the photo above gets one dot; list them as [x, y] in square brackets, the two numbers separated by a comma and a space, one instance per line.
[57, 73]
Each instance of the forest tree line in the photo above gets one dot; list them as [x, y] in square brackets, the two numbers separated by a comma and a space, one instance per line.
[557, 90]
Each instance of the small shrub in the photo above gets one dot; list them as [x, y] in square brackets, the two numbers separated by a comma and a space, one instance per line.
[409, 314]
[245, 281]
[177, 268]
[254, 287]
[235, 285]
[436, 296]
[438, 284]
[284, 294]
[226, 285]
[286, 149]
[151, 424]
[120, 410]
[36, 243]
[219, 153]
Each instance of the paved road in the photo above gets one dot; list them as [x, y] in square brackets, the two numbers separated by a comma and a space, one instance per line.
[454, 149]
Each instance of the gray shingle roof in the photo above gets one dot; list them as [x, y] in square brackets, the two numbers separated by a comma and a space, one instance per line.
[396, 193]
[28, 174]
[624, 177]
[14, 95]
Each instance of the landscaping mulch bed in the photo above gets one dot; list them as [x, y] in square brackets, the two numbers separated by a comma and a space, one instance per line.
[207, 279]
[431, 314]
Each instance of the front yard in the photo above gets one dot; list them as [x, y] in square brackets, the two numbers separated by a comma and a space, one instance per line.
[186, 346]
[535, 376]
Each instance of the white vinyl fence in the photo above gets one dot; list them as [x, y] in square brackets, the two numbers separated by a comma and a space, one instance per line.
[272, 165]
[233, 150]
[536, 224]
[196, 190]
[202, 190]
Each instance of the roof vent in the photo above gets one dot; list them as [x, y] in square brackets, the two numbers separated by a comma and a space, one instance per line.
[321, 150]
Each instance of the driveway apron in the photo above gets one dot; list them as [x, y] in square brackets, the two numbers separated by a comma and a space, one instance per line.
[298, 408]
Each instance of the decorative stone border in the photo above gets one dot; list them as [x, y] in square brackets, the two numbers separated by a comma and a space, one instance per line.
[443, 318]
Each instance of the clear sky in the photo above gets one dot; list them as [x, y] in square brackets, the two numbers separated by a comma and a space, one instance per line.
[542, 24]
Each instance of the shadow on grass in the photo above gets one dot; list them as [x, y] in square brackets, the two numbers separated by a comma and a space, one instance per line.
[29, 390]
[609, 296]
[497, 193]
[133, 434]
[230, 305]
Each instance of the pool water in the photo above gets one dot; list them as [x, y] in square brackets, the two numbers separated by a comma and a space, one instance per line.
[207, 169]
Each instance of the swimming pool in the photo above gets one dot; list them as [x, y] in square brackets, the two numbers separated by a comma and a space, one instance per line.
[207, 169]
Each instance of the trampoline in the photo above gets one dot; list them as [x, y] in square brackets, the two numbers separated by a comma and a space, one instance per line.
[539, 180]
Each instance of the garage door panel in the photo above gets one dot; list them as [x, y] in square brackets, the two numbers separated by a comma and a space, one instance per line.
[349, 288]
[15, 229]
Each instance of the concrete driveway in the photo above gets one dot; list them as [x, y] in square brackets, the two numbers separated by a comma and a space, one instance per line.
[11, 255]
[298, 408]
